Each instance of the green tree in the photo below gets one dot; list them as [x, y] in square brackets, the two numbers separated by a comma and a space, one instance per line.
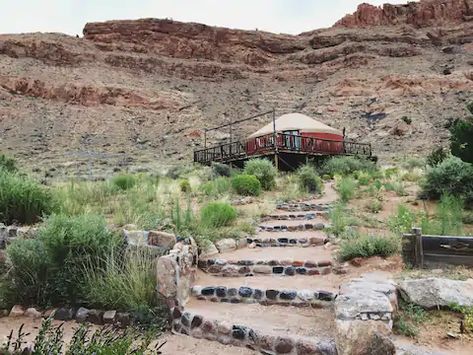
[461, 141]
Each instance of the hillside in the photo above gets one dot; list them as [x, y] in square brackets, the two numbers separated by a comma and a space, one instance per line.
[132, 94]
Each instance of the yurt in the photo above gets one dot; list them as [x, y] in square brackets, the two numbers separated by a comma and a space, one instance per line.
[296, 132]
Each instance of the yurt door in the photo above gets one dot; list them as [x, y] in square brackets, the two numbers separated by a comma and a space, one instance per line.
[292, 140]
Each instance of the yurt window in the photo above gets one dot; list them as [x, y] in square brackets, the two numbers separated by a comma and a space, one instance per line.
[292, 139]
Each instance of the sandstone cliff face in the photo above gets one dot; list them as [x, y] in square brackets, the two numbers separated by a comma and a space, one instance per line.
[135, 93]
[420, 14]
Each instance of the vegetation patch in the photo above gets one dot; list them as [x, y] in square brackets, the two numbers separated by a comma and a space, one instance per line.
[217, 214]
[347, 165]
[246, 185]
[346, 188]
[309, 180]
[408, 319]
[124, 181]
[365, 246]
[264, 171]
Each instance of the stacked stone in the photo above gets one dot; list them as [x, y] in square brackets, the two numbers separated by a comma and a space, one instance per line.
[10, 233]
[301, 298]
[286, 242]
[232, 268]
[285, 228]
[303, 206]
[239, 335]
[293, 216]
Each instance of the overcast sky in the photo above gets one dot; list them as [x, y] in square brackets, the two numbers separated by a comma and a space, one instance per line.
[70, 16]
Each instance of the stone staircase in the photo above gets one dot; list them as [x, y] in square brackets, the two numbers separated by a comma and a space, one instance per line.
[274, 294]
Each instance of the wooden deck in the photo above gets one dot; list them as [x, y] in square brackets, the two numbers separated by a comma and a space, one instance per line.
[278, 144]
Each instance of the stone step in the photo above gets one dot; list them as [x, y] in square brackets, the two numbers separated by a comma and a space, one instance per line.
[288, 239]
[296, 216]
[291, 226]
[268, 329]
[304, 206]
[266, 297]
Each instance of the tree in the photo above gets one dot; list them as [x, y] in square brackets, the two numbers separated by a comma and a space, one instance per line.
[461, 141]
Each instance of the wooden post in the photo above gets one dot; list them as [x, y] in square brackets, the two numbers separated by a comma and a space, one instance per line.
[275, 144]
[409, 249]
[417, 232]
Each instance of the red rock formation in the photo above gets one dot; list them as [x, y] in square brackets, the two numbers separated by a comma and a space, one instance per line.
[424, 13]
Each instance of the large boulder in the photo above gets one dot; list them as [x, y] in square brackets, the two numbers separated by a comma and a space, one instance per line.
[437, 292]
[161, 239]
[136, 238]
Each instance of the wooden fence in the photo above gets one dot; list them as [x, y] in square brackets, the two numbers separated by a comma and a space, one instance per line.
[432, 250]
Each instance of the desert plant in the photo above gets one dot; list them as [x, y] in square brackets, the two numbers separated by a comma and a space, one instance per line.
[452, 177]
[185, 186]
[182, 219]
[436, 156]
[309, 180]
[374, 206]
[365, 246]
[217, 214]
[347, 165]
[264, 171]
[22, 200]
[346, 188]
[408, 319]
[246, 185]
[124, 181]
[124, 280]
[339, 220]
[216, 187]
[220, 170]
[8, 164]
[402, 221]
[461, 140]
[396, 186]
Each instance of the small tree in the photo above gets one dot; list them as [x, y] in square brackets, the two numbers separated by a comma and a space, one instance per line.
[461, 141]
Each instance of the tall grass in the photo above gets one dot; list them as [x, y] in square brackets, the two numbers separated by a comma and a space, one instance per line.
[125, 281]
[124, 181]
[217, 214]
[22, 200]
[217, 187]
[346, 188]
[365, 246]
[402, 221]
[347, 165]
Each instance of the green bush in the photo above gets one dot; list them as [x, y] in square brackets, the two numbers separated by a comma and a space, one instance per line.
[22, 200]
[185, 186]
[309, 180]
[264, 171]
[8, 164]
[49, 269]
[216, 187]
[124, 281]
[339, 220]
[217, 214]
[124, 181]
[448, 220]
[246, 185]
[453, 177]
[402, 221]
[220, 170]
[461, 140]
[365, 246]
[346, 188]
[347, 165]
[436, 156]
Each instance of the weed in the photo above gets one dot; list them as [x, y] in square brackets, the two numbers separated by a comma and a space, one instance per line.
[368, 245]
[402, 221]
[185, 186]
[346, 188]
[408, 319]
[374, 206]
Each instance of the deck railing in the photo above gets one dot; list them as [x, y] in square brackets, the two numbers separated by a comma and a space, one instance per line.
[284, 143]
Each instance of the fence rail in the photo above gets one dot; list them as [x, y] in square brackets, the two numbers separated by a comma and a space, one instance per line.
[279, 142]
[431, 250]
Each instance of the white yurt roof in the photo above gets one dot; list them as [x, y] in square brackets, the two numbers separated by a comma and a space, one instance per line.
[296, 121]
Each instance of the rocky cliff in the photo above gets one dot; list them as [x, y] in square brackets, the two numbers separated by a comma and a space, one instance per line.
[134, 94]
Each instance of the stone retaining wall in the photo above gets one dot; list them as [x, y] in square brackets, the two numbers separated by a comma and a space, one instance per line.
[286, 242]
[303, 206]
[176, 272]
[293, 216]
[285, 228]
[264, 267]
[301, 298]
[239, 335]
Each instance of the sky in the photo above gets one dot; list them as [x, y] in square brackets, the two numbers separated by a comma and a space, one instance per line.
[279, 16]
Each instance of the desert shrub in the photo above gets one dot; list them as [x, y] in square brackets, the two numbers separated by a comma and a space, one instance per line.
[22, 200]
[8, 164]
[346, 188]
[30, 271]
[246, 185]
[448, 219]
[461, 140]
[413, 162]
[185, 186]
[466, 312]
[221, 170]
[264, 171]
[124, 280]
[402, 221]
[396, 186]
[347, 165]
[217, 214]
[436, 156]
[182, 219]
[452, 177]
[309, 180]
[365, 246]
[216, 187]
[124, 181]
[374, 206]
[339, 219]
[408, 318]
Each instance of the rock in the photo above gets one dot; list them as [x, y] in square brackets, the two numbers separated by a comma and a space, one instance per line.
[17, 311]
[262, 269]
[95, 316]
[49, 313]
[136, 238]
[64, 314]
[109, 317]
[357, 262]
[437, 292]
[81, 315]
[161, 239]
[225, 245]
[33, 313]
[208, 250]
[123, 319]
